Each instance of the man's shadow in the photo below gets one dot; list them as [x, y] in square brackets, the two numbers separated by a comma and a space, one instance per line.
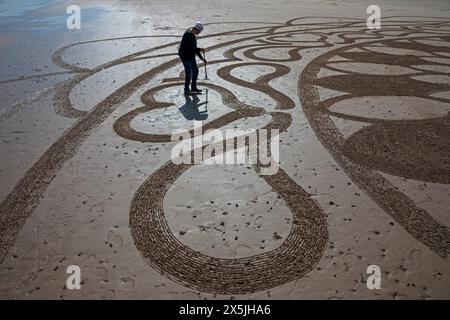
[190, 110]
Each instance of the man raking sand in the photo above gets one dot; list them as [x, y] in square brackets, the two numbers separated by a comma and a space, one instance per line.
[187, 52]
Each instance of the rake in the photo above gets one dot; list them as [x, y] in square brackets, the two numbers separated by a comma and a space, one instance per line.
[206, 73]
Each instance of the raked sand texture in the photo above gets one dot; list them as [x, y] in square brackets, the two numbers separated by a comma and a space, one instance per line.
[364, 122]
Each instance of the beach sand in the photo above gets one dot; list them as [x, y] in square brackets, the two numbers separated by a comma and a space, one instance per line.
[86, 118]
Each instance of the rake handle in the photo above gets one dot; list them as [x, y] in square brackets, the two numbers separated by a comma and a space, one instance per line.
[206, 73]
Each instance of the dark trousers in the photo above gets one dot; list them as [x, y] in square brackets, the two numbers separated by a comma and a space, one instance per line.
[191, 71]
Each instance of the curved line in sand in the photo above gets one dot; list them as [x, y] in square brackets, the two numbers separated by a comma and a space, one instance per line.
[401, 208]
[296, 256]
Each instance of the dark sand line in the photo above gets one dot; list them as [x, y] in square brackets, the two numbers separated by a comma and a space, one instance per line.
[402, 209]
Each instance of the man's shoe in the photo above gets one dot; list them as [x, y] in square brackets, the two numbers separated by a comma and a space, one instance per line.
[196, 91]
[187, 92]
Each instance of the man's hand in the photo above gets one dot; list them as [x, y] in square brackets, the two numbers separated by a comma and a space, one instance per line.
[205, 62]
[202, 50]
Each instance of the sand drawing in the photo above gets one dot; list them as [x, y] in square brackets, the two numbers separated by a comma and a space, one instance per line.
[415, 149]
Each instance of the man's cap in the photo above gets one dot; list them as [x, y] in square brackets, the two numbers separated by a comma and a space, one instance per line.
[199, 26]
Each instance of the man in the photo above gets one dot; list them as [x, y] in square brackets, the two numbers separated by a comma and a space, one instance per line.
[187, 52]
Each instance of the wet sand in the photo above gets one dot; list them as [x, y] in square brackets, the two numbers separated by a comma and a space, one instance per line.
[87, 178]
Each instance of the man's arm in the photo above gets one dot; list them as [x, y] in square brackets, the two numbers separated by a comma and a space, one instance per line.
[199, 51]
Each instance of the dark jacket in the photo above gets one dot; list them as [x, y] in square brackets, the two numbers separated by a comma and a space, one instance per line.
[188, 47]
